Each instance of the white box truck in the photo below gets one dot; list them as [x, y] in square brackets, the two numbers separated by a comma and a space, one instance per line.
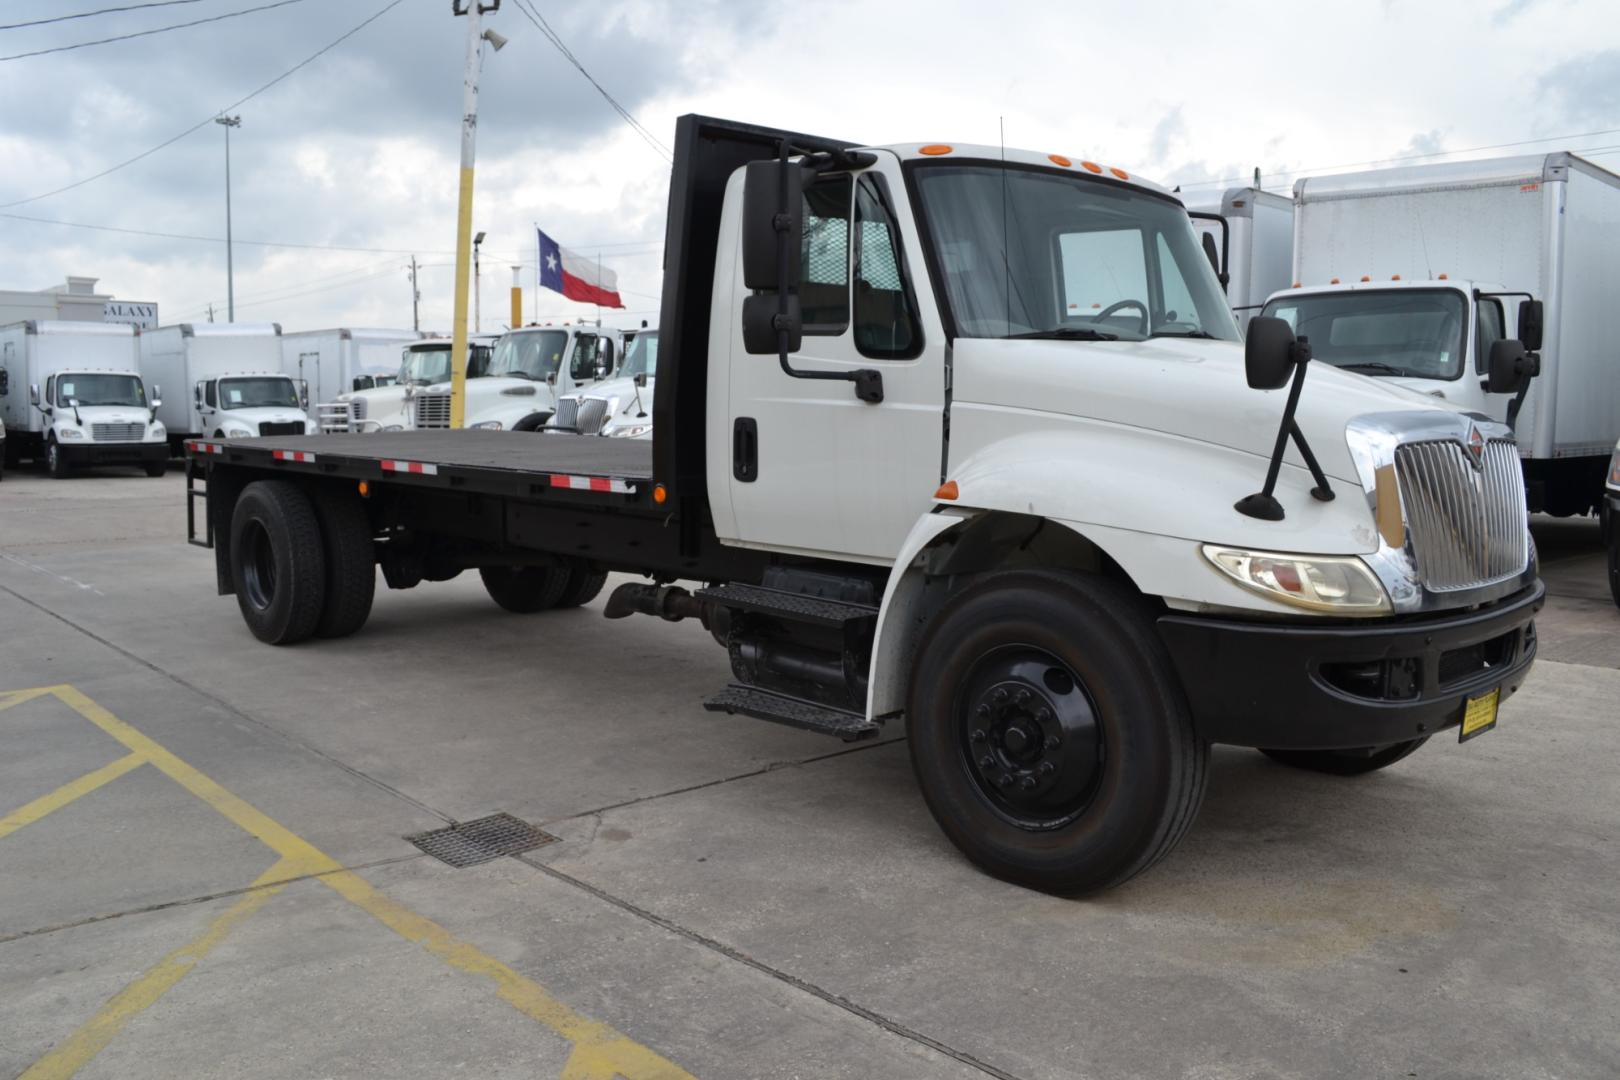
[1415, 274]
[342, 360]
[226, 381]
[1254, 232]
[70, 394]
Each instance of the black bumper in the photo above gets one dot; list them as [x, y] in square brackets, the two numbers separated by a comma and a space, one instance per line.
[94, 453]
[1300, 687]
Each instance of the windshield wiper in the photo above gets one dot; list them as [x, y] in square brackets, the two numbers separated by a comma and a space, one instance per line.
[1065, 333]
[1184, 334]
[1374, 365]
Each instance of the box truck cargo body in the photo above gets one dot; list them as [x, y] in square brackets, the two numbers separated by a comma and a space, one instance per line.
[70, 393]
[1256, 244]
[1543, 226]
[225, 380]
[338, 361]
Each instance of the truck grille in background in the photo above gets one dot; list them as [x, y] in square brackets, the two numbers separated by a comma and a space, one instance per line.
[357, 408]
[335, 416]
[117, 432]
[567, 412]
[290, 427]
[432, 410]
[581, 415]
[1468, 525]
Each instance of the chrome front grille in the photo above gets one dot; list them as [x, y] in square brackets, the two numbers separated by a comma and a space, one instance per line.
[117, 432]
[567, 412]
[583, 416]
[1467, 524]
[432, 410]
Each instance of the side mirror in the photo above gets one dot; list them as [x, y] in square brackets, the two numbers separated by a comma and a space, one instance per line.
[759, 324]
[1270, 353]
[33, 393]
[1530, 324]
[73, 403]
[303, 393]
[763, 222]
[1213, 254]
[1510, 367]
[196, 393]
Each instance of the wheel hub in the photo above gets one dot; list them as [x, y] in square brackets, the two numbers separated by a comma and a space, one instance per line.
[1032, 741]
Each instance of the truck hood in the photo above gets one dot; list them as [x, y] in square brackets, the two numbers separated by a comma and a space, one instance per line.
[264, 414]
[1190, 388]
[106, 414]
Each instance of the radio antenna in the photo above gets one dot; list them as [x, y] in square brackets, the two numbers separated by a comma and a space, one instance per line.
[1006, 264]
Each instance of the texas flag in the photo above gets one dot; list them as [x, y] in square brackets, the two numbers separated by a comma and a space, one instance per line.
[577, 277]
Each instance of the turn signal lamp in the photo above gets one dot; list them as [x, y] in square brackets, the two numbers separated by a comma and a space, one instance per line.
[659, 494]
[1091, 166]
[1445, 277]
[365, 490]
[947, 491]
[935, 149]
[1059, 159]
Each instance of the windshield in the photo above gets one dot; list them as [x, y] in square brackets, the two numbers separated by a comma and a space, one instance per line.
[642, 358]
[528, 355]
[101, 390]
[1417, 332]
[257, 393]
[432, 365]
[1034, 253]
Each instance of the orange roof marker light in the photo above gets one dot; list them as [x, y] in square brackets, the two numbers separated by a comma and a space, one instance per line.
[947, 490]
[1333, 281]
[659, 494]
[1091, 166]
[1365, 277]
[1121, 173]
[1397, 277]
[1297, 285]
[934, 149]
[1444, 276]
[1059, 159]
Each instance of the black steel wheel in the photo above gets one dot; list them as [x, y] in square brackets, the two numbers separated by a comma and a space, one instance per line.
[524, 590]
[1048, 731]
[278, 563]
[1356, 762]
[55, 464]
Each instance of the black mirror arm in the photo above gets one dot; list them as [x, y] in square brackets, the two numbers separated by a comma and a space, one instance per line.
[1532, 368]
[1263, 504]
[868, 383]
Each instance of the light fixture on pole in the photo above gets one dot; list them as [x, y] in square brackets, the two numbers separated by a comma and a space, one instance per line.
[230, 270]
[478, 290]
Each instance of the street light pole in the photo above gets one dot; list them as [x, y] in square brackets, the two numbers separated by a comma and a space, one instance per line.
[230, 269]
[473, 11]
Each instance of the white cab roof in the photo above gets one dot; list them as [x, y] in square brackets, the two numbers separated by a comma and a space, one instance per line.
[1077, 163]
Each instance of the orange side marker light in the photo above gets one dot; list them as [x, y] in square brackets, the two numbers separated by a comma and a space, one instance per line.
[947, 491]
[659, 494]
[365, 490]
[935, 149]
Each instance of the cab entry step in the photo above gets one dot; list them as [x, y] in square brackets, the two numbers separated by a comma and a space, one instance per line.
[792, 711]
[794, 607]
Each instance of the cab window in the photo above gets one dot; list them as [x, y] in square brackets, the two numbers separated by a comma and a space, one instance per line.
[824, 256]
[582, 365]
[211, 393]
[886, 326]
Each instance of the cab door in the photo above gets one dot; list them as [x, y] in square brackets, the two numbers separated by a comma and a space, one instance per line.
[813, 467]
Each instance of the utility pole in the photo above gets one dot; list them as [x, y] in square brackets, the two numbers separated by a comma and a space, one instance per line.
[210, 312]
[416, 299]
[473, 11]
[517, 297]
[230, 270]
[478, 288]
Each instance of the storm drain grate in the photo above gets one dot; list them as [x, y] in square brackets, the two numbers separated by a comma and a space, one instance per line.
[472, 842]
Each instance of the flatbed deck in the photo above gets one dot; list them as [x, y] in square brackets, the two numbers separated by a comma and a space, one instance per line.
[505, 462]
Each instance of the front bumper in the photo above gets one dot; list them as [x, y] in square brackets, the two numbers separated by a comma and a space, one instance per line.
[1300, 687]
[110, 453]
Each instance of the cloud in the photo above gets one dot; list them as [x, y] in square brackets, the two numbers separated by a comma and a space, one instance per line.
[1586, 89]
[1169, 130]
[1423, 144]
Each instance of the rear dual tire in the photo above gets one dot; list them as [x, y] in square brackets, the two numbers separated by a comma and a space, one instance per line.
[525, 590]
[301, 566]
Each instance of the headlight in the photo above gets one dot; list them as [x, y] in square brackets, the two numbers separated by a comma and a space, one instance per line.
[158, 428]
[69, 433]
[629, 431]
[238, 433]
[487, 425]
[394, 427]
[1340, 584]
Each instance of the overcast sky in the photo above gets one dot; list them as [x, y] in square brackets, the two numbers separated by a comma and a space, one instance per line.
[359, 149]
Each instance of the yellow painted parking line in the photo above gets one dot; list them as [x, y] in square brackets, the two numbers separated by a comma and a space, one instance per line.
[84, 785]
[17, 697]
[93, 1036]
[599, 1051]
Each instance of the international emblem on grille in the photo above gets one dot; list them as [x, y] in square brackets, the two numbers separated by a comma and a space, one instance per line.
[1476, 447]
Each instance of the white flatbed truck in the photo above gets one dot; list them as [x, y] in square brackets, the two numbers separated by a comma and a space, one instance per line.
[913, 490]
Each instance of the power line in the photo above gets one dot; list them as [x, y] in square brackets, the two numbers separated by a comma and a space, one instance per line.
[1415, 157]
[148, 33]
[209, 119]
[88, 14]
[551, 35]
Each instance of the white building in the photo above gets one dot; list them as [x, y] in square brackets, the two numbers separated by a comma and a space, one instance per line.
[75, 301]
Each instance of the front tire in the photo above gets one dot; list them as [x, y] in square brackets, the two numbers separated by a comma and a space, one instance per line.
[1049, 734]
[155, 469]
[278, 562]
[1614, 561]
[532, 422]
[1346, 762]
[524, 590]
[55, 464]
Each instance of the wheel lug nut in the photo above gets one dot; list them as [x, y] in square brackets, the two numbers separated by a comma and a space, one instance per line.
[982, 711]
[987, 761]
[979, 735]
[1053, 742]
[1000, 696]
[1023, 697]
[1027, 783]
[1047, 768]
[1003, 780]
[1045, 715]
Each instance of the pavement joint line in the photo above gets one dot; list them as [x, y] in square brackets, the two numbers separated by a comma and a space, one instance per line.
[91, 920]
[893, 1027]
[599, 1051]
[290, 739]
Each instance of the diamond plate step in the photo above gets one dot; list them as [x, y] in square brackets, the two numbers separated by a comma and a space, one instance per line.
[796, 607]
[792, 711]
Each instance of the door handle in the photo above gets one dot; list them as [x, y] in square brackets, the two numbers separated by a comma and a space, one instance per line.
[745, 449]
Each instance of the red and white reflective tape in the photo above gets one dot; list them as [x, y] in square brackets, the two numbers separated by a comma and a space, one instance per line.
[208, 447]
[411, 467]
[303, 457]
[593, 483]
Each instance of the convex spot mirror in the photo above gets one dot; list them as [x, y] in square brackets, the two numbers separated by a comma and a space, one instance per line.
[1510, 367]
[1530, 324]
[759, 323]
[762, 202]
[1268, 353]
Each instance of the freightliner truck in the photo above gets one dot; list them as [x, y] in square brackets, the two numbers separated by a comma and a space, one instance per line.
[914, 480]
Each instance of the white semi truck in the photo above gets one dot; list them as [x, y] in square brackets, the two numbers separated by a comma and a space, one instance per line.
[71, 394]
[225, 381]
[1253, 230]
[389, 406]
[619, 407]
[916, 488]
[1415, 275]
[342, 360]
[530, 369]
